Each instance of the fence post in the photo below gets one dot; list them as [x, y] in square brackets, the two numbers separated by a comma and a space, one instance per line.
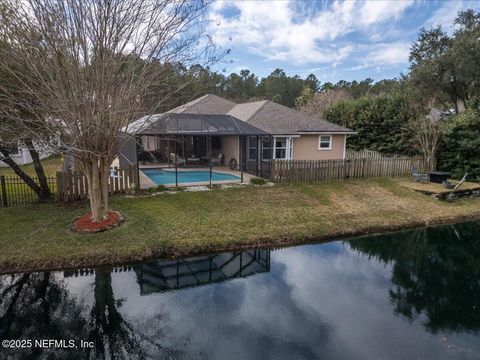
[136, 170]
[59, 186]
[4, 191]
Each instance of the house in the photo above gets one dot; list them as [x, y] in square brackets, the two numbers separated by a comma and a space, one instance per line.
[21, 155]
[212, 131]
[297, 135]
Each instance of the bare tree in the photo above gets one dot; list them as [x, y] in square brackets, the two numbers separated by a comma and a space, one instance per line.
[426, 133]
[11, 134]
[87, 64]
[321, 101]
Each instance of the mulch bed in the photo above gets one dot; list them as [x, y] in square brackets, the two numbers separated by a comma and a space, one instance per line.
[84, 223]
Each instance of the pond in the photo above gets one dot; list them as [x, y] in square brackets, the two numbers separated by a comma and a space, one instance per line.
[407, 295]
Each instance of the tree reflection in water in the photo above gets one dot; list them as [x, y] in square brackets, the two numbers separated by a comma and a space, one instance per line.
[112, 335]
[436, 273]
[40, 305]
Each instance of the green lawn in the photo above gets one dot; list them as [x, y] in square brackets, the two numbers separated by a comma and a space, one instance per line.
[50, 165]
[38, 236]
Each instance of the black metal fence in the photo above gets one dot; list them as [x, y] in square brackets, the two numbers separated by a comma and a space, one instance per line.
[14, 191]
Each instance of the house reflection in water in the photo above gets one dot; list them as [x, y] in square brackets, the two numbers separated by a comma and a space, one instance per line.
[164, 275]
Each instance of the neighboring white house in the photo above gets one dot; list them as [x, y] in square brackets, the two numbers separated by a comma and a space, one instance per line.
[21, 155]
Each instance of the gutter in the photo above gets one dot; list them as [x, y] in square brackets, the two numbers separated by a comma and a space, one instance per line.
[315, 132]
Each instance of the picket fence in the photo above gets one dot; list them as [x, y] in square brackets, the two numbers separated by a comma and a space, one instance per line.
[73, 186]
[353, 168]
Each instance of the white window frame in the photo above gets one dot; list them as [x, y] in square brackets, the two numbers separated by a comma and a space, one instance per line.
[320, 142]
[288, 147]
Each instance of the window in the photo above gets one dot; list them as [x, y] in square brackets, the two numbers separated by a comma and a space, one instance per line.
[252, 148]
[283, 148]
[280, 148]
[325, 142]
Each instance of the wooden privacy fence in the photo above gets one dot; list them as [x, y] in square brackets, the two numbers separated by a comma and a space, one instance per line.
[367, 153]
[73, 185]
[357, 168]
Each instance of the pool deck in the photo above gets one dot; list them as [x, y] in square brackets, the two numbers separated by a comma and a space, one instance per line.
[146, 182]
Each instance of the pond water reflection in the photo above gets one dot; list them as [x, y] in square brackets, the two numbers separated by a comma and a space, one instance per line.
[406, 295]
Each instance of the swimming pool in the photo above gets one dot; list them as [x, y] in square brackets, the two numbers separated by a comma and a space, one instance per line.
[163, 176]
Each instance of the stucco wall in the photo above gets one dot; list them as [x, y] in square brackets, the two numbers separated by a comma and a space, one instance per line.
[230, 148]
[306, 148]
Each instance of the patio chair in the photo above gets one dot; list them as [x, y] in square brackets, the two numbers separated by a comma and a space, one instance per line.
[419, 177]
[217, 160]
[180, 160]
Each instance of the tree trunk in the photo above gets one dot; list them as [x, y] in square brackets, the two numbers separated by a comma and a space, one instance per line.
[460, 106]
[97, 173]
[42, 179]
[24, 176]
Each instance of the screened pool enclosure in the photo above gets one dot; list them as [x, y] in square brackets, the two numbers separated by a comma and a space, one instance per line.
[175, 149]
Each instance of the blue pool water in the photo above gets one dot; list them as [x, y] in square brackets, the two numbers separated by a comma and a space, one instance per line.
[160, 176]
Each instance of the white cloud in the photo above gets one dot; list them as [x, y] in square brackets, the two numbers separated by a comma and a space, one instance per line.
[389, 53]
[279, 30]
[445, 15]
[373, 12]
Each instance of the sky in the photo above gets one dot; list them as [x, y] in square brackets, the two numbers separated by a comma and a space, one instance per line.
[335, 40]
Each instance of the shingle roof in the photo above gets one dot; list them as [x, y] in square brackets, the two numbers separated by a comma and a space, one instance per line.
[192, 124]
[266, 115]
[282, 120]
[208, 104]
[246, 110]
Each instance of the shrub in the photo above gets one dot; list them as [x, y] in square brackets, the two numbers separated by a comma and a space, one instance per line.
[460, 146]
[380, 123]
[161, 188]
[258, 181]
